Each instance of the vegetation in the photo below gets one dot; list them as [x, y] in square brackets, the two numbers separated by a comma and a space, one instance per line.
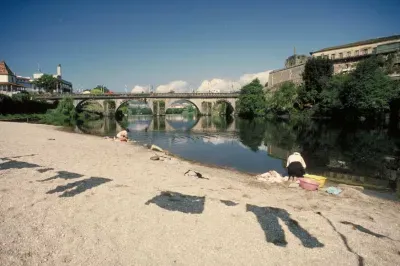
[126, 110]
[46, 82]
[99, 89]
[23, 103]
[21, 117]
[316, 75]
[251, 101]
[368, 89]
[187, 110]
[284, 100]
[64, 114]
[365, 92]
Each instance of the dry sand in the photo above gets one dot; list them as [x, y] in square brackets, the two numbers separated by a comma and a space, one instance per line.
[83, 200]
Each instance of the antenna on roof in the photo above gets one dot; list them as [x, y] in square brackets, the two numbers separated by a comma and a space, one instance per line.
[38, 66]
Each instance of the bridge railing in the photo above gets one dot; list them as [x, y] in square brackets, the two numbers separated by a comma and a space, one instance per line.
[140, 95]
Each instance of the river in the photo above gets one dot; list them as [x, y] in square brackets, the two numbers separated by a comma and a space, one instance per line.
[357, 154]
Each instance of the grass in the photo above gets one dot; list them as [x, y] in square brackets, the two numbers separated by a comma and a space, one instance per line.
[10, 117]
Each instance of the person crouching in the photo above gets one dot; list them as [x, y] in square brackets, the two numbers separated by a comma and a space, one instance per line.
[296, 166]
[123, 135]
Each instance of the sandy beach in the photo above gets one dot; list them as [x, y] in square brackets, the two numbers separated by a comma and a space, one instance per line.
[73, 199]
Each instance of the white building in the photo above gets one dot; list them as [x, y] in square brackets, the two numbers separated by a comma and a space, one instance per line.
[63, 86]
[8, 80]
[10, 83]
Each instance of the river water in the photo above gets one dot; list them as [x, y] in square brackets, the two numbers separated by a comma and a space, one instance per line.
[354, 153]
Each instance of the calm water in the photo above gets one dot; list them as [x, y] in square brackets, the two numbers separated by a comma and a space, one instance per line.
[342, 152]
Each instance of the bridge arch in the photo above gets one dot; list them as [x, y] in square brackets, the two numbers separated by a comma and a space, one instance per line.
[170, 102]
[229, 109]
[80, 103]
[180, 123]
[120, 103]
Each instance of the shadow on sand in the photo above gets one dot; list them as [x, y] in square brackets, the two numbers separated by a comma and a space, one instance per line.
[268, 219]
[174, 201]
[17, 165]
[62, 175]
[75, 188]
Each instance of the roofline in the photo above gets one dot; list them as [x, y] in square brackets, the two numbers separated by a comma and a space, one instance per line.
[285, 68]
[365, 42]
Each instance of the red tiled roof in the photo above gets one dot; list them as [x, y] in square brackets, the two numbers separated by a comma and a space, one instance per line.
[4, 69]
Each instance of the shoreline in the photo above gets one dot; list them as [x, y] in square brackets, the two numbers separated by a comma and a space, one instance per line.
[373, 189]
[76, 199]
[137, 144]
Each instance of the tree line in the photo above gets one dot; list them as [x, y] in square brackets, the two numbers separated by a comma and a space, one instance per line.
[367, 92]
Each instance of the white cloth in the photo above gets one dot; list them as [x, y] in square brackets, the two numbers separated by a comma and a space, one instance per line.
[296, 157]
[123, 133]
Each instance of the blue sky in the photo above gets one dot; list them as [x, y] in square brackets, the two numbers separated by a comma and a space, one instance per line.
[120, 43]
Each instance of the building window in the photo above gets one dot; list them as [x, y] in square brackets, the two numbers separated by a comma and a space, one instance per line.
[327, 56]
[340, 55]
[333, 56]
[365, 51]
[348, 54]
[356, 53]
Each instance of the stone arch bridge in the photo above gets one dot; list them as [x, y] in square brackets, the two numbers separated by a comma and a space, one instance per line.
[157, 102]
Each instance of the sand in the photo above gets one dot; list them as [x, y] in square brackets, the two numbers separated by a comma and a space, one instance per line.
[71, 199]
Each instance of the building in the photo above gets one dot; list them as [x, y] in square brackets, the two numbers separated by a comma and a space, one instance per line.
[26, 84]
[294, 68]
[8, 80]
[63, 86]
[346, 56]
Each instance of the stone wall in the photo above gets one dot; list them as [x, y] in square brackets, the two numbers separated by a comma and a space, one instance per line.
[293, 74]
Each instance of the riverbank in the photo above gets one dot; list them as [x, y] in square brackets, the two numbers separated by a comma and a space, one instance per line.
[79, 199]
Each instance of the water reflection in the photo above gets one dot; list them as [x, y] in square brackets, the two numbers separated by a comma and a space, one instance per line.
[344, 151]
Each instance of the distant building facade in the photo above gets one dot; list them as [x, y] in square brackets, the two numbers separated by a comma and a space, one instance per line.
[346, 56]
[294, 68]
[8, 80]
[63, 86]
[10, 83]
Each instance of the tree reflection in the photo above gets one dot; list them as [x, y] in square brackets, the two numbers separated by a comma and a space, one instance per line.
[349, 147]
[251, 133]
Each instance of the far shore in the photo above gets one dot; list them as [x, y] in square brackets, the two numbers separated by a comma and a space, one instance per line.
[74, 199]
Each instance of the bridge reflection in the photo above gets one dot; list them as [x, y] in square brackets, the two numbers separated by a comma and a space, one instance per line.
[108, 126]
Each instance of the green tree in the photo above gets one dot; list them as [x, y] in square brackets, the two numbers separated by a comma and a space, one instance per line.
[284, 99]
[64, 114]
[330, 101]
[46, 82]
[369, 90]
[99, 89]
[251, 101]
[316, 75]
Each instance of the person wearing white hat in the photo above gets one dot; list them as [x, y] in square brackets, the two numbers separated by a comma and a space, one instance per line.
[296, 166]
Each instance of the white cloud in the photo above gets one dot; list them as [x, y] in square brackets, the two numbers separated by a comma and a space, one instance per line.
[262, 76]
[225, 85]
[219, 140]
[139, 89]
[215, 84]
[221, 85]
[176, 86]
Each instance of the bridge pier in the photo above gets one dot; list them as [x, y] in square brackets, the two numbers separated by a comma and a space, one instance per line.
[159, 108]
